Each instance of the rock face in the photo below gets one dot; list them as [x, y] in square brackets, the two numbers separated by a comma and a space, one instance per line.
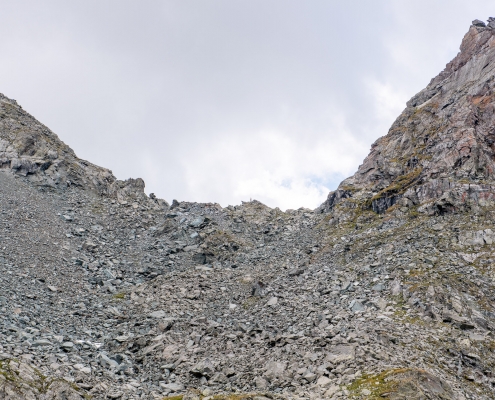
[385, 291]
[440, 152]
[30, 149]
[19, 381]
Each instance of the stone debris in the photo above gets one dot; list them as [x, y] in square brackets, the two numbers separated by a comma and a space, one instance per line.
[385, 291]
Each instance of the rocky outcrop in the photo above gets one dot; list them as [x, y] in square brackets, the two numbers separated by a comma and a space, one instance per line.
[19, 381]
[404, 384]
[30, 149]
[440, 152]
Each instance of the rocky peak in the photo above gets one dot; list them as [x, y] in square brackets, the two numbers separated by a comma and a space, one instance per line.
[439, 154]
[30, 149]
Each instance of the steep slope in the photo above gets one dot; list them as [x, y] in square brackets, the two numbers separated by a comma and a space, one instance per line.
[385, 291]
[28, 148]
[440, 152]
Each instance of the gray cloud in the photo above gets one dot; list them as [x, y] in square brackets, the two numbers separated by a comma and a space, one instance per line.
[227, 100]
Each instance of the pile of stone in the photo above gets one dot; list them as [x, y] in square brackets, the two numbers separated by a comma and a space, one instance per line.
[385, 291]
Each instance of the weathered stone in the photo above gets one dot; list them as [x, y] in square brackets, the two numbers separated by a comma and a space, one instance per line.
[204, 368]
[340, 353]
[158, 314]
[274, 369]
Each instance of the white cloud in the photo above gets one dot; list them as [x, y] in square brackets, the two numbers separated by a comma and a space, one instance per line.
[277, 101]
[274, 167]
[388, 102]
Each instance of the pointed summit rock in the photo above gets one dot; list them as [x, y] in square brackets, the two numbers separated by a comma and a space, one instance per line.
[439, 155]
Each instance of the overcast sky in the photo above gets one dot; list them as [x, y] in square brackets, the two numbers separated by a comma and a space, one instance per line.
[224, 101]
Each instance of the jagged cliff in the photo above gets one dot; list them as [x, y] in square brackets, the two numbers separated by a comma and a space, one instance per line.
[440, 152]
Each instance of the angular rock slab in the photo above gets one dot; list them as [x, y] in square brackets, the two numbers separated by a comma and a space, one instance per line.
[341, 353]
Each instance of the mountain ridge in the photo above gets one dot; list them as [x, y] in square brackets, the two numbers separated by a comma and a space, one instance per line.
[30, 149]
[442, 138]
[384, 291]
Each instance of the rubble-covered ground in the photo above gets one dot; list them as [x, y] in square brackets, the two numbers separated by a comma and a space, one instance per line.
[126, 300]
[384, 291]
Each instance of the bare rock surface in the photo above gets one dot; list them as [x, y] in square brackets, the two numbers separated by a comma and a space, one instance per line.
[19, 381]
[385, 291]
[439, 153]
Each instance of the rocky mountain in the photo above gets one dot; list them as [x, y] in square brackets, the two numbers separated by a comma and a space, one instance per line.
[385, 291]
[439, 154]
